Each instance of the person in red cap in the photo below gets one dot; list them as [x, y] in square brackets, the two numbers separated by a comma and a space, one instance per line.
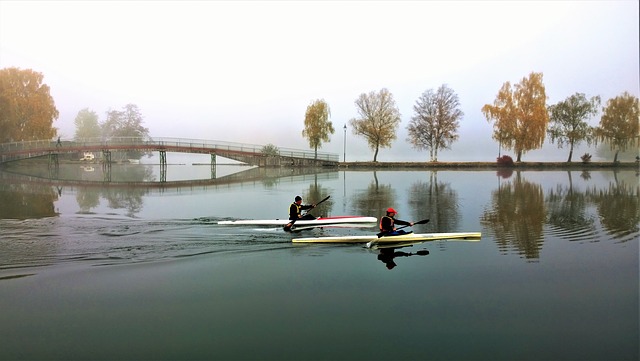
[388, 224]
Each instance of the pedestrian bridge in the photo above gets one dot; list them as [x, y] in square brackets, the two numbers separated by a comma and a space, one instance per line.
[256, 155]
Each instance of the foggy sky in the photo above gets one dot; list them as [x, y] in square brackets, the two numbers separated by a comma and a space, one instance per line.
[246, 71]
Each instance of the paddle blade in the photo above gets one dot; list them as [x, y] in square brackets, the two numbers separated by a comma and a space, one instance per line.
[288, 226]
[421, 222]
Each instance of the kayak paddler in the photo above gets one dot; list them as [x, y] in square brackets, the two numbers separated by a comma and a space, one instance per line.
[388, 224]
[295, 212]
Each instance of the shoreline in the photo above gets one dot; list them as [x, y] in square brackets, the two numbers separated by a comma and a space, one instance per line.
[395, 165]
[490, 165]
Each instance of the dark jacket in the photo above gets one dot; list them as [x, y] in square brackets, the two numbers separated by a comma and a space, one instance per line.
[295, 209]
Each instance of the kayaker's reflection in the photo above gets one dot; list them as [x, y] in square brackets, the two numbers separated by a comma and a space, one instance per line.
[387, 255]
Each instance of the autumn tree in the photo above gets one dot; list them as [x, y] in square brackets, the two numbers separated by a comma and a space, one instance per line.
[27, 110]
[619, 123]
[568, 124]
[87, 124]
[379, 119]
[520, 115]
[436, 121]
[317, 126]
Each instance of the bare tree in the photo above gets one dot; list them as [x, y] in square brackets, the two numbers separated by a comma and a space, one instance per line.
[436, 121]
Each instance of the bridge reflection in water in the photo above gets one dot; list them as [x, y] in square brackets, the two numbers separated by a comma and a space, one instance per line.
[42, 182]
[251, 154]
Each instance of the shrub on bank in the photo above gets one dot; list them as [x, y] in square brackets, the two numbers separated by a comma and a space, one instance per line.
[505, 160]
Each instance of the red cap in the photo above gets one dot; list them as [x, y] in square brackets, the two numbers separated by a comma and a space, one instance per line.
[391, 210]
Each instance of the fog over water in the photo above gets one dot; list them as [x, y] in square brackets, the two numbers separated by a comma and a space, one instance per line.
[246, 71]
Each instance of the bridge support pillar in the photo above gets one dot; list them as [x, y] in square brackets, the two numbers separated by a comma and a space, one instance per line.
[163, 166]
[163, 158]
[106, 165]
[53, 160]
[106, 157]
[163, 173]
[106, 173]
[54, 166]
[213, 166]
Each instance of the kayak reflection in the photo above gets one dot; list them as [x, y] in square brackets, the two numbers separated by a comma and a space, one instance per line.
[387, 256]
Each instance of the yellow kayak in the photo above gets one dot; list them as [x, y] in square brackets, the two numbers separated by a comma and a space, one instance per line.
[410, 237]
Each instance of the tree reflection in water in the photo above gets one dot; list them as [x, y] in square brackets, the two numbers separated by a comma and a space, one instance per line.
[87, 199]
[519, 211]
[618, 209]
[567, 213]
[24, 201]
[315, 194]
[516, 217]
[374, 199]
[435, 201]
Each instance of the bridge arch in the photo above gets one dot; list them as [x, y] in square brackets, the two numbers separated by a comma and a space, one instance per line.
[247, 153]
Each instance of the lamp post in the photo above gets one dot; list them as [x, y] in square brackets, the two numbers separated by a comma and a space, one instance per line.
[344, 155]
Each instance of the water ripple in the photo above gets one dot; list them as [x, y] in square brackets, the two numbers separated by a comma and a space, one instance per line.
[108, 241]
[584, 233]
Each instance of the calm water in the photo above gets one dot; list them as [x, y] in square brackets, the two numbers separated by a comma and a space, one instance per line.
[91, 268]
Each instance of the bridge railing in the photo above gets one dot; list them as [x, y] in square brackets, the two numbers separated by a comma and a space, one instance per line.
[160, 143]
[242, 147]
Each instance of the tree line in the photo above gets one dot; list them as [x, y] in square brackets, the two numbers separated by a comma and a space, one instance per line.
[27, 112]
[519, 114]
[118, 123]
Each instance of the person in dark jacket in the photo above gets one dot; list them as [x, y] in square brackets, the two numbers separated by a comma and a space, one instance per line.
[388, 224]
[295, 212]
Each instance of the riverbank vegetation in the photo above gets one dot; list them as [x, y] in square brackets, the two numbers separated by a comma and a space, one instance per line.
[520, 115]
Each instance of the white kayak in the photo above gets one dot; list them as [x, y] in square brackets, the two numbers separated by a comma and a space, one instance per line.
[340, 221]
[409, 237]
